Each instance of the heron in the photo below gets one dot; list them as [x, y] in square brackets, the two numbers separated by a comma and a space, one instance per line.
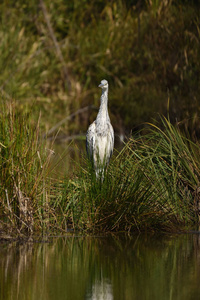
[100, 135]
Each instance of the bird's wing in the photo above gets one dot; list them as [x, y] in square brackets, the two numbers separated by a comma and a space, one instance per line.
[90, 139]
[111, 139]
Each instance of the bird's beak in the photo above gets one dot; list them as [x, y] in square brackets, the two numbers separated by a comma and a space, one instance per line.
[101, 85]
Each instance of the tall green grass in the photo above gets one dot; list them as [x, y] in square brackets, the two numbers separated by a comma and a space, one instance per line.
[152, 184]
[24, 165]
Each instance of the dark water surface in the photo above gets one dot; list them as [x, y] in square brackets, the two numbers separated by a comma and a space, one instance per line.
[102, 268]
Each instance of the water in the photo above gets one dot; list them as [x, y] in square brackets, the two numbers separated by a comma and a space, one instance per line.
[102, 268]
[67, 155]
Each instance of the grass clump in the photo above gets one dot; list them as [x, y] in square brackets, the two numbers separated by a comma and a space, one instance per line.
[23, 172]
[151, 184]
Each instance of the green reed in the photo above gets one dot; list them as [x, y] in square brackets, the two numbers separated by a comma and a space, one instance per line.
[151, 184]
[24, 165]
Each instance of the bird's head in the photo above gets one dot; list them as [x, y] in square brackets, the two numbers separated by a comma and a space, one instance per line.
[104, 84]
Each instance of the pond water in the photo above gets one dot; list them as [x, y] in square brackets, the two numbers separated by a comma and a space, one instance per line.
[102, 268]
[66, 156]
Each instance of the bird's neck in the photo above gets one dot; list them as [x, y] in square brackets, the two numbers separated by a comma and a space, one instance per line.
[103, 110]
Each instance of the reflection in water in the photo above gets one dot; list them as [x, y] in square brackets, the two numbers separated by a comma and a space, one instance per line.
[101, 290]
[106, 268]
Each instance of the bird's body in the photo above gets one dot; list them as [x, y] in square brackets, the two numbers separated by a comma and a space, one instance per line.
[100, 135]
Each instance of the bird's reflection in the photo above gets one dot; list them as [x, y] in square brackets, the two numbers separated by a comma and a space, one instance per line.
[101, 290]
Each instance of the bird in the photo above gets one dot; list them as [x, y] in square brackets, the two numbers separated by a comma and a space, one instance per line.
[100, 135]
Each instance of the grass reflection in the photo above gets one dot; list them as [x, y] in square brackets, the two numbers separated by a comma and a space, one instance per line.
[137, 267]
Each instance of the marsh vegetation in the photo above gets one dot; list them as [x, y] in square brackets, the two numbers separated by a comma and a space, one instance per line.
[153, 183]
[52, 57]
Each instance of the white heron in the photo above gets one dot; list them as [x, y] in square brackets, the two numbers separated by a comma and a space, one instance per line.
[100, 135]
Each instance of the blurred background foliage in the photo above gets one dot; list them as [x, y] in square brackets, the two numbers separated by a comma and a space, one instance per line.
[53, 55]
